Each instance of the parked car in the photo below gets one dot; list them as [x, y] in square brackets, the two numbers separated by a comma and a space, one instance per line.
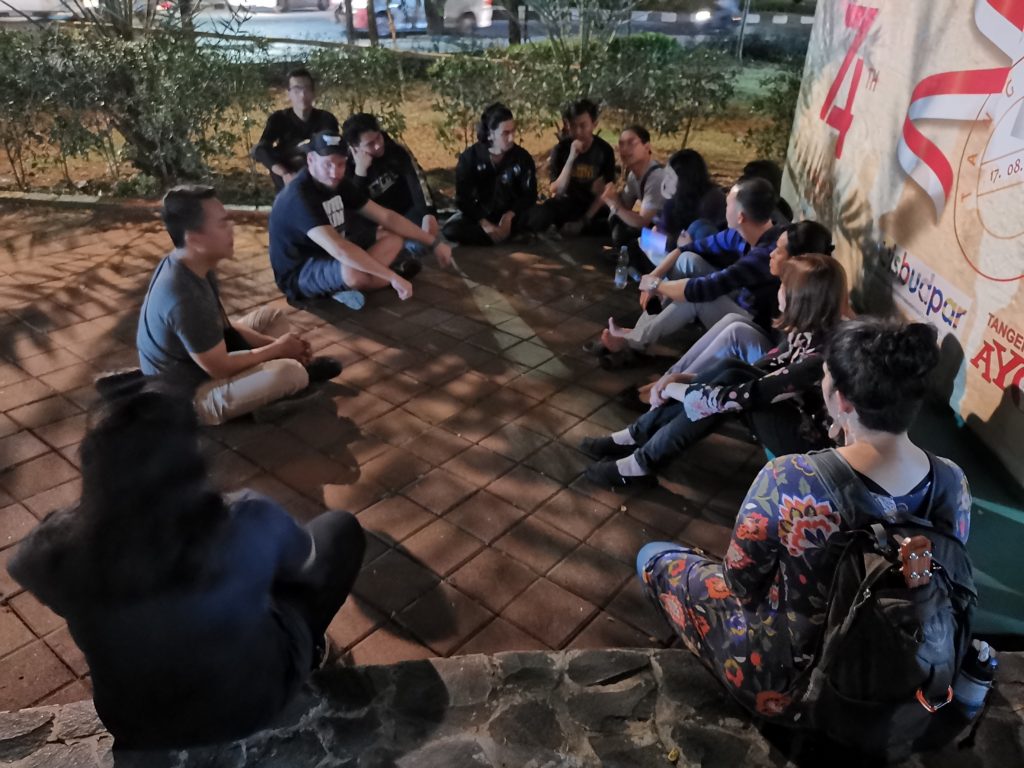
[465, 16]
[281, 6]
[21, 8]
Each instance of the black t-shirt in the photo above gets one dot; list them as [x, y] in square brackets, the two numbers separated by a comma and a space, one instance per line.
[597, 162]
[395, 182]
[283, 134]
[304, 205]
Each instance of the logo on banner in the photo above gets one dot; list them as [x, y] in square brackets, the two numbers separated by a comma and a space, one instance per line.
[960, 96]
[1000, 361]
[925, 295]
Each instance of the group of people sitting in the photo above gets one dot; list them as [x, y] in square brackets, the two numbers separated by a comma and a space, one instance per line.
[200, 615]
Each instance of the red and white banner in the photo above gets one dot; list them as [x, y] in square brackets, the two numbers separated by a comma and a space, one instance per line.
[909, 141]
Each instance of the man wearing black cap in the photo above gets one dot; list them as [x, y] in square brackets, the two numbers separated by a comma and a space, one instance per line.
[315, 252]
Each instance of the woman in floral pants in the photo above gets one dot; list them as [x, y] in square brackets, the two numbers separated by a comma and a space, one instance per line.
[755, 619]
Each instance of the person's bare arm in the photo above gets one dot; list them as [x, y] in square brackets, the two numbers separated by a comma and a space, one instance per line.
[561, 184]
[400, 225]
[348, 253]
[221, 364]
[252, 338]
[627, 216]
[669, 289]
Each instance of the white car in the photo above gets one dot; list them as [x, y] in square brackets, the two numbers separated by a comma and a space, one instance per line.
[281, 6]
[21, 8]
[408, 15]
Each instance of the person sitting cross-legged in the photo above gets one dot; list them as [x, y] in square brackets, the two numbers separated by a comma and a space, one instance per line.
[314, 249]
[230, 367]
[389, 174]
[286, 129]
[580, 166]
[495, 183]
[200, 615]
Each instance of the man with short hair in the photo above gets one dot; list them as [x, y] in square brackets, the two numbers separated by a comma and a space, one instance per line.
[314, 249]
[580, 165]
[286, 129]
[185, 336]
[388, 173]
[643, 190]
[729, 272]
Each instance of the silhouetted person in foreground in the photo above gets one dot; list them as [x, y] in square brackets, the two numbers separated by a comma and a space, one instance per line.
[199, 615]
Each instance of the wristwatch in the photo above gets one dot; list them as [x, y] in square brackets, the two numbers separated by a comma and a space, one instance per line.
[654, 285]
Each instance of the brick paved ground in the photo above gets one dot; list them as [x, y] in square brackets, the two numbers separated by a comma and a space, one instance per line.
[452, 434]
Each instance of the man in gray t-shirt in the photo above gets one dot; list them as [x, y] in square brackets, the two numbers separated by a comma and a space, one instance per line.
[643, 185]
[180, 317]
[185, 336]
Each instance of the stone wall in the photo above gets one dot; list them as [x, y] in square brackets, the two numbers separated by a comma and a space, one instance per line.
[621, 708]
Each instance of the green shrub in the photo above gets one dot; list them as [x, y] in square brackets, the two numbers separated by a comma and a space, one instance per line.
[362, 80]
[776, 101]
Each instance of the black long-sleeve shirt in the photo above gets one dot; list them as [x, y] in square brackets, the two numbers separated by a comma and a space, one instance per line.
[283, 134]
[396, 182]
[484, 190]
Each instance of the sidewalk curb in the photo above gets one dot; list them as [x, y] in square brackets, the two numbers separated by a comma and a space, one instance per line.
[136, 204]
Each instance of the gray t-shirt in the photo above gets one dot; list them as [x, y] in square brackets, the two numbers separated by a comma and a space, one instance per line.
[646, 189]
[181, 314]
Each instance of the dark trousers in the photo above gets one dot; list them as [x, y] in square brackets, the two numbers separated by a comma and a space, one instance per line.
[561, 210]
[327, 581]
[462, 229]
[666, 432]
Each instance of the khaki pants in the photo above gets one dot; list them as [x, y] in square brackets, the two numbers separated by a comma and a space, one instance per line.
[221, 400]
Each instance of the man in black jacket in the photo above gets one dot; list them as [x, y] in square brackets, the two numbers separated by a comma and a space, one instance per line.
[278, 147]
[388, 173]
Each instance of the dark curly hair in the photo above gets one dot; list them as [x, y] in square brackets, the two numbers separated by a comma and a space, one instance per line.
[881, 367]
[809, 237]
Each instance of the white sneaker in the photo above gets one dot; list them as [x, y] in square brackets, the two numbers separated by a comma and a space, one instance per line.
[351, 299]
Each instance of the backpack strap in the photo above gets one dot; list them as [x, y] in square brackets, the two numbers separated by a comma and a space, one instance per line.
[655, 165]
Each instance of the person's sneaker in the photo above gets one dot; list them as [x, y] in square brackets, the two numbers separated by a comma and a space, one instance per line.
[606, 473]
[351, 299]
[605, 448]
[322, 369]
[115, 383]
[286, 405]
[408, 267]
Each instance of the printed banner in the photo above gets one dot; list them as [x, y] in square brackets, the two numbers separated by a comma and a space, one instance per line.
[908, 141]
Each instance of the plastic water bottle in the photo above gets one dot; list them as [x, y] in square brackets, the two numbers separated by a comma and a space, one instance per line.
[975, 679]
[622, 269]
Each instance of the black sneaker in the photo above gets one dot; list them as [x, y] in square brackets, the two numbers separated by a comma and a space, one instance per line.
[322, 369]
[286, 405]
[408, 267]
[606, 473]
[605, 448]
[116, 383]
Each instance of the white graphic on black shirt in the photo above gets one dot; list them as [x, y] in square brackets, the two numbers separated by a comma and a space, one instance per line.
[335, 210]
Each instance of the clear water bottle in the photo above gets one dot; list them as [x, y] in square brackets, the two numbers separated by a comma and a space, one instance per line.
[975, 679]
[622, 269]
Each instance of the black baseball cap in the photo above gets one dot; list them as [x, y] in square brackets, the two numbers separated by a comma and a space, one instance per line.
[326, 143]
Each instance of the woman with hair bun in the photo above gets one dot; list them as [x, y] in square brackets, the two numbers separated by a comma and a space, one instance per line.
[755, 620]
[495, 183]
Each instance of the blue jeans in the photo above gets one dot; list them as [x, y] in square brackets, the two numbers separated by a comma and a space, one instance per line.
[320, 277]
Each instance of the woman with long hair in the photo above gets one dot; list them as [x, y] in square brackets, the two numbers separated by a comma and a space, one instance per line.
[693, 202]
[199, 615]
[756, 619]
[495, 183]
[778, 397]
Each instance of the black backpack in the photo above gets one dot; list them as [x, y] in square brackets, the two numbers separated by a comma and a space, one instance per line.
[881, 681]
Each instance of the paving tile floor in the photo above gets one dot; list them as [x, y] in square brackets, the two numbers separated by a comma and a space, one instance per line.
[452, 434]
